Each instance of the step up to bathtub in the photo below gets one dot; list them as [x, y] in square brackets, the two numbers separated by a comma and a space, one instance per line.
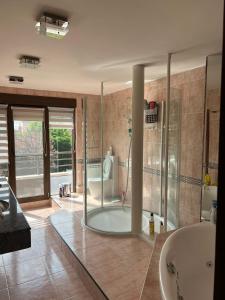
[151, 289]
[111, 267]
[64, 229]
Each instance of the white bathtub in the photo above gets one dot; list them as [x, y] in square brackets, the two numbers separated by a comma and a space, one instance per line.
[186, 266]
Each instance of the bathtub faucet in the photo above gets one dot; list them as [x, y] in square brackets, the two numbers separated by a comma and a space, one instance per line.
[171, 268]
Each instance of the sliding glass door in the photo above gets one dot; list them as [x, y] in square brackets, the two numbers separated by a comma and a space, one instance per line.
[37, 149]
[61, 138]
[29, 140]
[3, 142]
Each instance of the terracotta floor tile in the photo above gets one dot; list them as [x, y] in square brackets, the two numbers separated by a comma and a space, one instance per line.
[122, 289]
[36, 222]
[56, 262]
[1, 261]
[25, 271]
[19, 256]
[39, 289]
[107, 272]
[3, 283]
[69, 285]
[46, 247]
[64, 216]
[83, 239]
[117, 264]
[89, 256]
[71, 205]
[69, 228]
[44, 233]
[82, 297]
[4, 295]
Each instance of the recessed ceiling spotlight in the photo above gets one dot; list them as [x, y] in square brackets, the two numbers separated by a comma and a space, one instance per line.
[16, 79]
[30, 62]
[52, 26]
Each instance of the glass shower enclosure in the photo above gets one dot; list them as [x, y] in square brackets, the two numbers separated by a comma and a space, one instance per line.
[156, 168]
[107, 144]
[107, 160]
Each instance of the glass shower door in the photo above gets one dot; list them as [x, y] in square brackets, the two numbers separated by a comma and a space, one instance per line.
[157, 174]
[107, 181]
[92, 165]
[173, 158]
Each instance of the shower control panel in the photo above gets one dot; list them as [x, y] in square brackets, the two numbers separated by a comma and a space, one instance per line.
[151, 112]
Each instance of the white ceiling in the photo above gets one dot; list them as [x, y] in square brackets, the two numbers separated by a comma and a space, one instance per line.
[105, 39]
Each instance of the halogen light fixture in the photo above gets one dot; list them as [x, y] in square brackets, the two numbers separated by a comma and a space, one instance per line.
[30, 62]
[52, 26]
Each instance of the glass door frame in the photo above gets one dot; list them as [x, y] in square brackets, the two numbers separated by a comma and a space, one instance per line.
[12, 156]
[44, 102]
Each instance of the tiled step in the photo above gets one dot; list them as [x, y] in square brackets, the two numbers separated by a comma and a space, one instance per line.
[89, 282]
[111, 267]
[151, 288]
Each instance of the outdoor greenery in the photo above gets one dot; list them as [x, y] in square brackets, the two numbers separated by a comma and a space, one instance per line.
[61, 139]
[29, 141]
[29, 138]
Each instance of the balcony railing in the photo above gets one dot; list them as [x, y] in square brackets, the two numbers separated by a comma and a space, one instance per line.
[32, 164]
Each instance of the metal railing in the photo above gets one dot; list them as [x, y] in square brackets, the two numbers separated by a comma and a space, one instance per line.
[32, 164]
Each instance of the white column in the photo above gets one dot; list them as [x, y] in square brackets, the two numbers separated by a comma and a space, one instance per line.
[137, 147]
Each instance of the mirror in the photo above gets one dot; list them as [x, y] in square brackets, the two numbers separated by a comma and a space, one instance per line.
[211, 135]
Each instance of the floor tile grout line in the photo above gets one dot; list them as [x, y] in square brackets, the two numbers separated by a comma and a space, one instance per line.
[23, 261]
[5, 274]
[8, 294]
[25, 282]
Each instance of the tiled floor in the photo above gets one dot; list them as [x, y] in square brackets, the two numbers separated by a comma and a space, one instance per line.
[151, 288]
[42, 271]
[118, 264]
[76, 200]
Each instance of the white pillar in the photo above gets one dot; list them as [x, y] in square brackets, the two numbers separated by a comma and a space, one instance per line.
[137, 147]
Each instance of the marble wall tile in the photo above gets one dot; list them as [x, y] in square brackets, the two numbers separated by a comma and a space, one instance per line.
[188, 90]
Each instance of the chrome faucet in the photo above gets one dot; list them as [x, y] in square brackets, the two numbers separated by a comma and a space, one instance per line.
[172, 270]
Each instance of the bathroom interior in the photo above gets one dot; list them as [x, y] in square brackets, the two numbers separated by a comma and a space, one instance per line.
[128, 209]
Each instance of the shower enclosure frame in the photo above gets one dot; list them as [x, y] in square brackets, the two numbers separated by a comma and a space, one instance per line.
[137, 155]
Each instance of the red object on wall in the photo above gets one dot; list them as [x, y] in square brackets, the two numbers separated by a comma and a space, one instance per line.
[152, 104]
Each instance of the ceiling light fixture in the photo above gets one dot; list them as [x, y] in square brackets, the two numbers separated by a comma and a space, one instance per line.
[52, 26]
[30, 62]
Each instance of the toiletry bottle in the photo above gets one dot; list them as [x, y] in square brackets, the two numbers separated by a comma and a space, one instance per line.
[161, 227]
[207, 179]
[213, 212]
[151, 226]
